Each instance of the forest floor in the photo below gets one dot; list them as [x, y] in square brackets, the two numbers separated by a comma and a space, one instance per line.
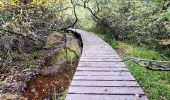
[44, 74]
[156, 84]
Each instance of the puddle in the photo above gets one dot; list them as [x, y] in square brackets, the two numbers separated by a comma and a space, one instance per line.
[47, 87]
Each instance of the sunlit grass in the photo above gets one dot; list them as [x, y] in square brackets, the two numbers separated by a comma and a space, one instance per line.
[136, 51]
[155, 84]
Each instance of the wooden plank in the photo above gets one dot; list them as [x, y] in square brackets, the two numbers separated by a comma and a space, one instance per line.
[106, 90]
[104, 66]
[105, 83]
[106, 51]
[93, 50]
[100, 64]
[106, 78]
[100, 56]
[100, 60]
[94, 57]
[90, 51]
[102, 69]
[103, 63]
[104, 97]
[102, 73]
[103, 58]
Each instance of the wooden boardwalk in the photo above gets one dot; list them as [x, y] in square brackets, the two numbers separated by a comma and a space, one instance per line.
[101, 75]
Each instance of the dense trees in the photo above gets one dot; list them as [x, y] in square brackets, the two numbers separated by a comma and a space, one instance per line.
[26, 24]
[31, 21]
[135, 21]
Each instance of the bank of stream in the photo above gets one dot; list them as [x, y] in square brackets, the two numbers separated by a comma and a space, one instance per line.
[51, 86]
[50, 79]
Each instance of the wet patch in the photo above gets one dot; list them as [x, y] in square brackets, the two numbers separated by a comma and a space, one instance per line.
[52, 85]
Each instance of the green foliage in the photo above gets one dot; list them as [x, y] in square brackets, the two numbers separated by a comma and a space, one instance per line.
[25, 25]
[141, 22]
[114, 43]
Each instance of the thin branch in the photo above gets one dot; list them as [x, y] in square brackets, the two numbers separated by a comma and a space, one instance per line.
[149, 60]
[16, 33]
[149, 64]
[19, 34]
[75, 14]
[90, 10]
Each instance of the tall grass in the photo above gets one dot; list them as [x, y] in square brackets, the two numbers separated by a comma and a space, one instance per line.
[155, 84]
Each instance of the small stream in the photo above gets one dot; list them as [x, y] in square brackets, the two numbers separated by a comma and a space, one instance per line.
[54, 78]
[48, 78]
[51, 86]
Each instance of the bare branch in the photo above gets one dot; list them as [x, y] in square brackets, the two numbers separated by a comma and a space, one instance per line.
[150, 64]
[16, 33]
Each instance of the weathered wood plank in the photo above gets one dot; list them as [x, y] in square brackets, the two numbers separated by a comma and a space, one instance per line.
[103, 66]
[106, 90]
[104, 97]
[105, 83]
[100, 60]
[102, 73]
[107, 78]
[102, 69]
[101, 63]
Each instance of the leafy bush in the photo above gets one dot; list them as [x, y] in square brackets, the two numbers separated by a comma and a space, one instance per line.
[26, 24]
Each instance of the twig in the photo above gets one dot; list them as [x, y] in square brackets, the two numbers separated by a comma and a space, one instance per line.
[149, 64]
[149, 60]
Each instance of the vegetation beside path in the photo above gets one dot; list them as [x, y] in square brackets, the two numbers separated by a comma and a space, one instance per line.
[156, 84]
